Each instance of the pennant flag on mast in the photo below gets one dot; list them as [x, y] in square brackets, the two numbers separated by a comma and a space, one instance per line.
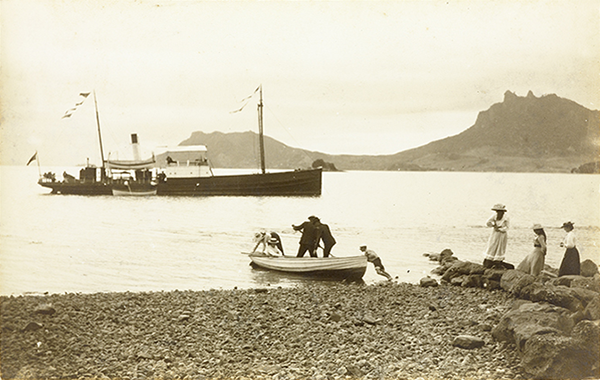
[34, 157]
[246, 100]
[70, 111]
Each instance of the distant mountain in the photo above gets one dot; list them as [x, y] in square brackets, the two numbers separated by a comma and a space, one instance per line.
[241, 150]
[527, 134]
[521, 134]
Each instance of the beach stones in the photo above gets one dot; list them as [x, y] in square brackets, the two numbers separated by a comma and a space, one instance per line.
[45, 309]
[468, 342]
[390, 330]
[32, 326]
[427, 282]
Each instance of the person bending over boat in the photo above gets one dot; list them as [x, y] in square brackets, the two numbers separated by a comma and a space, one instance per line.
[372, 257]
[308, 241]
[273, 247]
[263, 238]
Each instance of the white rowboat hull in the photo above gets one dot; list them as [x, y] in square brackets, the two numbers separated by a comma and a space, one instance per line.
[349, 268]
[134, 193]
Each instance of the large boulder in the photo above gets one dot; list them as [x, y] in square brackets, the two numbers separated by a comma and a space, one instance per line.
[588, 333]
[528, 319]
[563, 280]
[553, 356]
[439, 271]
[592, 310]
[556, 295]
[491, 278]
[458, 280]
[588, 268]
[584, 295]
[513, 281]
[461, 268]
[589, 283]
[494, 274]
[472, 281]
[531, 291]
[428, 282]
[445, 256]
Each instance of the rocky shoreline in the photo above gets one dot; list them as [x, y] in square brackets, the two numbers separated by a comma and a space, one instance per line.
[328, 331]
[476, 323]
[555, 321]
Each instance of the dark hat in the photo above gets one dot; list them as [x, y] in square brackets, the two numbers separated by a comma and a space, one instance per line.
[567, 224]
[312, 217]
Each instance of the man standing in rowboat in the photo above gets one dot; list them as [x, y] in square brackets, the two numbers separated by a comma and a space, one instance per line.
[324, 235]
[308, 241]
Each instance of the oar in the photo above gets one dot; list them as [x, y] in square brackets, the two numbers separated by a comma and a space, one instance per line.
[319, 246]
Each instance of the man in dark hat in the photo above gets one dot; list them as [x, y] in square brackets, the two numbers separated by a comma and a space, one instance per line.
[308, 241]
[324, 235]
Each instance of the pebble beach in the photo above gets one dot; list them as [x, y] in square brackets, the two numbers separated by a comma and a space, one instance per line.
[387, 330]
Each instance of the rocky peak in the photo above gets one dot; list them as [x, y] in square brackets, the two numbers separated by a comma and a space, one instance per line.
[509, 96]
[530, 125]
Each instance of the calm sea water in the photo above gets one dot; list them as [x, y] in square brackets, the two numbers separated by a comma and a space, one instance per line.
[56, 243]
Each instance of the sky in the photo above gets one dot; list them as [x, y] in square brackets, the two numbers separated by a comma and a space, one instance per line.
[344, 77]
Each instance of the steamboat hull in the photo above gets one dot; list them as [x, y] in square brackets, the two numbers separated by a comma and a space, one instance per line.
[296, 183]
[77, 188]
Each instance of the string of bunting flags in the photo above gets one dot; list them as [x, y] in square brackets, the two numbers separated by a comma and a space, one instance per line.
[246, 99]
[70, 111]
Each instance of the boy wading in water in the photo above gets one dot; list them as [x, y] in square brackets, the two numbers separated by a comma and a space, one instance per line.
[373, 258]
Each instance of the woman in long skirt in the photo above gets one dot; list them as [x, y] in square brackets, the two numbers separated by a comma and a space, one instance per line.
[534, 262]
[496, 247]
[570, 264]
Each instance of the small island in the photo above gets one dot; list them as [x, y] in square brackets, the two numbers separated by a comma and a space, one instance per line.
[327, 166]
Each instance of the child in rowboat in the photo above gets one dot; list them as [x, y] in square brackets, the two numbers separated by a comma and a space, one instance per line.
[373, 258]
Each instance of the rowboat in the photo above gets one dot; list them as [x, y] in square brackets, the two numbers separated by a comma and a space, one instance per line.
[342, 268]
[133, 189]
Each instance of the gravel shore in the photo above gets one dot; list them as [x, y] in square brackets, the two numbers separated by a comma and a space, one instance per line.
[323, 331]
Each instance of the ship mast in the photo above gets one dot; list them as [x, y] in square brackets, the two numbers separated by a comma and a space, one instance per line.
[260, 133]
[99, 134]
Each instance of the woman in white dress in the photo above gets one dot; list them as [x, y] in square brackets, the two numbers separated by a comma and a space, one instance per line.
[496, 247]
